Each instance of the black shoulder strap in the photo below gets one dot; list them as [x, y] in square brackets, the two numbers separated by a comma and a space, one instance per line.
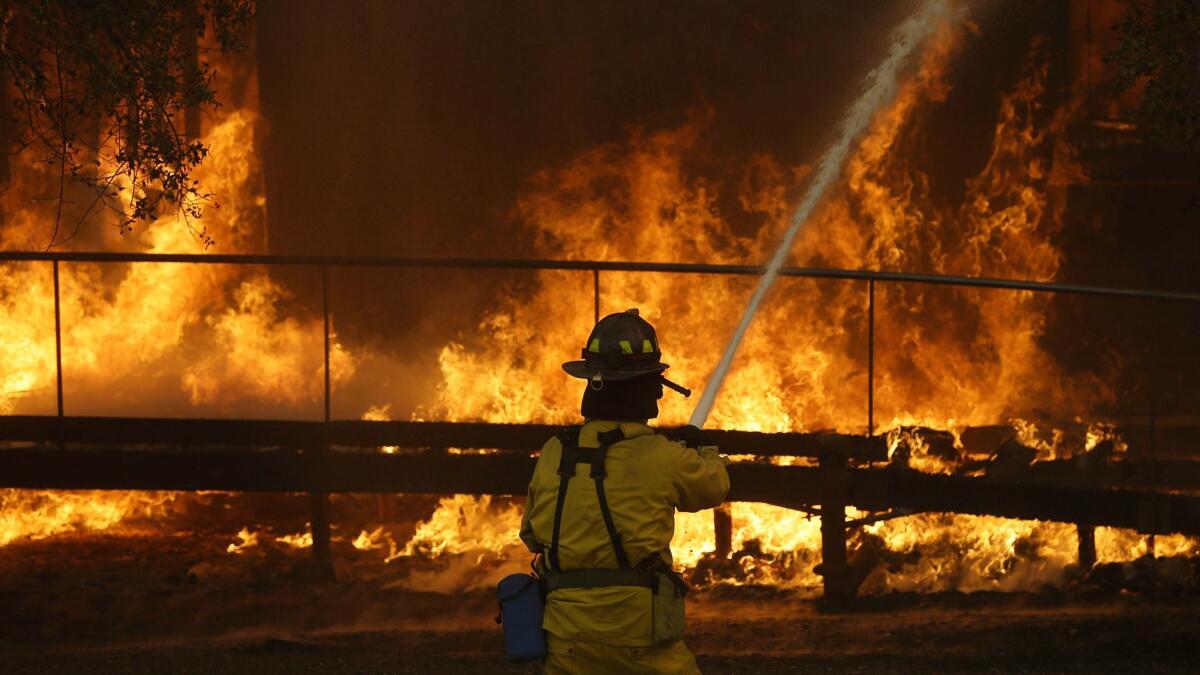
[608, 438]
[571, 455]
[569, 439]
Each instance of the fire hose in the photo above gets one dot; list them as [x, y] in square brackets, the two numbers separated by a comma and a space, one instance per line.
[880, 89]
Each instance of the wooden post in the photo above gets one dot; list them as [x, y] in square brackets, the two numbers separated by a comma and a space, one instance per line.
[319, 527]
[723, 529]
[1087, 545]
[834, 489]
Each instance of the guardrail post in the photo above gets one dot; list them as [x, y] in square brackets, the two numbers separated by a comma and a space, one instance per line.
[318, 499]
[58, 339]
[325, 316]
[596, 294]
[62, 443]
[834, 567]
[1155, 332]
[871, 357]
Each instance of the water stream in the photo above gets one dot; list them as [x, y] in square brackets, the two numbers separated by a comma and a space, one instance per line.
[879, 89]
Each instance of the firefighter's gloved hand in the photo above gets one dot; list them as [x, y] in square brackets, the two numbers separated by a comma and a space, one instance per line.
[690, 435]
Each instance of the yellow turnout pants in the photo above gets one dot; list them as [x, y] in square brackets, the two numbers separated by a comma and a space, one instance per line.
[571, 657]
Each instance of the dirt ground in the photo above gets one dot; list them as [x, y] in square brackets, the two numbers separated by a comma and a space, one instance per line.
[729, 634]
[184, 604]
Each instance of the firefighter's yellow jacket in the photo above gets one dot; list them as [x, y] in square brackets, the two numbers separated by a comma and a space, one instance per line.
[648, 478]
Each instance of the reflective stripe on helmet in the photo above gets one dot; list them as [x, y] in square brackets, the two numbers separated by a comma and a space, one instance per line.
[622, 343]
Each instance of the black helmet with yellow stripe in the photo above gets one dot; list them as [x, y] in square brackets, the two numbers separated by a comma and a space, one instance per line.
[621, 346]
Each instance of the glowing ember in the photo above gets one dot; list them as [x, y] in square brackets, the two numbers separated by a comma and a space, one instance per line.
[369, 541]
[246, 539]
[299, 540]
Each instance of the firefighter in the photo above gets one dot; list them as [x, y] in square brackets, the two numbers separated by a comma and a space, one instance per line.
[600, 513]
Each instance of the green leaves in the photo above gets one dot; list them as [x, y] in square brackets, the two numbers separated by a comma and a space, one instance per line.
[113, 80]
[1158, 51]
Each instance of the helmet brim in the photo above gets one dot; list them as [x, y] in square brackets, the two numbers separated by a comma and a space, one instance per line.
[581, 370]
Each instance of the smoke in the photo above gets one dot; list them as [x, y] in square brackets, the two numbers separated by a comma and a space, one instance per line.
[881, 87]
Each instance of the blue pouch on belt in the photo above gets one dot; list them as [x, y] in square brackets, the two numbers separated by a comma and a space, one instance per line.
[521, 615]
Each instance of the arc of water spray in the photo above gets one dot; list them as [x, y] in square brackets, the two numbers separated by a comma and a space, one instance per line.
[880, 88]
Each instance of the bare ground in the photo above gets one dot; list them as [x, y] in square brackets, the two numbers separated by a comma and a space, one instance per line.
[182, 604]
[993, 637]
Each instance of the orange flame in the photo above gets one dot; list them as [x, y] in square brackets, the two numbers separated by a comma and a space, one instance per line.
[945, 360]
[166, 336]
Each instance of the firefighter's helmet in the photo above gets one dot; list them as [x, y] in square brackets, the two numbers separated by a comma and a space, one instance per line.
[621, 346]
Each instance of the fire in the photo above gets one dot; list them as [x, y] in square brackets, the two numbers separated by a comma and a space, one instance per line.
[370, 541]
[210, 339]
[381, 413]
[881, 218]
[465, 524]
[973, 553]
[299, 540]
[37, 515]
[266, 356]
[246, 539]
[944, 359]
[1117, 545]
[150, 318]
[365, 541]
[191, 338]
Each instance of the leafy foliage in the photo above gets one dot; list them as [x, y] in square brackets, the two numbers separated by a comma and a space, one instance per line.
[112, 80]
[1160, 49]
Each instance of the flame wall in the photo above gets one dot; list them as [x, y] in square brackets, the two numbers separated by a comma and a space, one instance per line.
[944, 357]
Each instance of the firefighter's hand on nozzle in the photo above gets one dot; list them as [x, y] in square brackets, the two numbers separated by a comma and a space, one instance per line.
[690, 435]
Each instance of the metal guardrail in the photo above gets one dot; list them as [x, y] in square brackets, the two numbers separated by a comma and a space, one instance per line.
[594, 266]
[591, 266]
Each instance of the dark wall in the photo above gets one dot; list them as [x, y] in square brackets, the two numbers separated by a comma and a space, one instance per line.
[401, 127]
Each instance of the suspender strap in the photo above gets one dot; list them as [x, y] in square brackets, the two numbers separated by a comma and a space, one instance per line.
[571, 455]
[569, 439]
[608, 438]
[644, 574]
